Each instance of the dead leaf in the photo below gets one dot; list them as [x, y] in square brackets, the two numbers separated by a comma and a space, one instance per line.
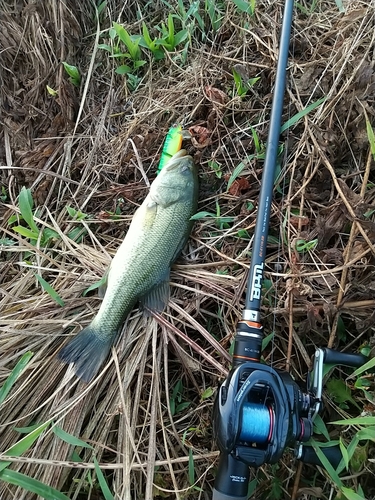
[312, 490]
[239, 186]
[200, 136]
[216, 95]
[295, 221]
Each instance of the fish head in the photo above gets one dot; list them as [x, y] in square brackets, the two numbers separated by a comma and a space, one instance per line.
[179, 170]
[180, 162]
[177, 180]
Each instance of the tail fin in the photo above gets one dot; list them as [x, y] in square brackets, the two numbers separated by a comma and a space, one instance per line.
[87, 351]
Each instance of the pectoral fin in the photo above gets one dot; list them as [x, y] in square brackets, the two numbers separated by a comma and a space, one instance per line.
[157, 298]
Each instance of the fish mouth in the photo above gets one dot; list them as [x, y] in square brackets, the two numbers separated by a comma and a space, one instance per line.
[176, 159]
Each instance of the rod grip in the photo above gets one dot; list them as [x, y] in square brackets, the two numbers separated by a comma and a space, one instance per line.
[332, 357]
[232, 479]
[332, 453]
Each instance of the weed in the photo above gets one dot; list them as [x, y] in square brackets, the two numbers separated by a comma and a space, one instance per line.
[14, 375]
[246, 7]
[176, 400]
[216, 167]
[222, 222]
[169, 38]
[32, 434]
[73, 72]
[371, 136]
[31, 231]
[51, 91]
[51, 291]
[303, 246]
[243, 86]
[151, 44]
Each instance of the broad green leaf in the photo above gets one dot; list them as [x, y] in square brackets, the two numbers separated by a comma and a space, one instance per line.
[32, 485]
[124, 36]
[180, 37]
[350, 494]
[292, 121]
[339, 391]
[47, 235]
[51, 291]
[367, 433]
[139, 64]
[320, 427]
[124, 69]
[7, 242]
[266, 340]
[25, 202]
[72, 72]
[102, 482]
[28, 233]
[52, 91]
[182, 406]
[207, 393]
[68, 438]
[106, 47]
[23, 444]
[243, 6]
[14, 374]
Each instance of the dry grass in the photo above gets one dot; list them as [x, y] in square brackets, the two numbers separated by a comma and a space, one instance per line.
[88, 147]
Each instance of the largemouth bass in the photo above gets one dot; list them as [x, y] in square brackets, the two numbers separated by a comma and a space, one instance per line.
[140, 269]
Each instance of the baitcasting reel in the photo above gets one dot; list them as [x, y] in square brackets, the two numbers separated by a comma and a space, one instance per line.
[260, 411]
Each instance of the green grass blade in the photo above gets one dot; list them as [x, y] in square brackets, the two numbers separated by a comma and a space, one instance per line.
[102, 482]
[32, 485]
[25, 202]
[27, 233]
[51, 291]
[356, 421]
[191, 468]
[24, 444]
[15, 373]
[68, 438]
[292, 121]
[238, 170]
[371, 137]
[26, 430]
[367, 366]
[326, 464]
[351, 495]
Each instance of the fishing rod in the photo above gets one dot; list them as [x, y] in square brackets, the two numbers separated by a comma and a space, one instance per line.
[260, 411]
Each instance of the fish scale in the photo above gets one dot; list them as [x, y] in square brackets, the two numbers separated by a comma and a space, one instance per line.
[140, 269]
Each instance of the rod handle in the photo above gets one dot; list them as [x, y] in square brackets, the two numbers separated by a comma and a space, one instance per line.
[332, 357]
[232, 479]
[332, 453]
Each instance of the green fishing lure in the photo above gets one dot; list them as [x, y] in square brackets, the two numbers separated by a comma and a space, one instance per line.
[172, 145]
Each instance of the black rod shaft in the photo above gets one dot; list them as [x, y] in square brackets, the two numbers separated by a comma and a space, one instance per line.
[255, 278]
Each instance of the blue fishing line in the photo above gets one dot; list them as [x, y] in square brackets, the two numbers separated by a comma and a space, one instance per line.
[257, 423]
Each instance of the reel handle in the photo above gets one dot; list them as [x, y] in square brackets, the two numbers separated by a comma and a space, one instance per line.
[232, 479]
[332, 453]
[332, 357]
